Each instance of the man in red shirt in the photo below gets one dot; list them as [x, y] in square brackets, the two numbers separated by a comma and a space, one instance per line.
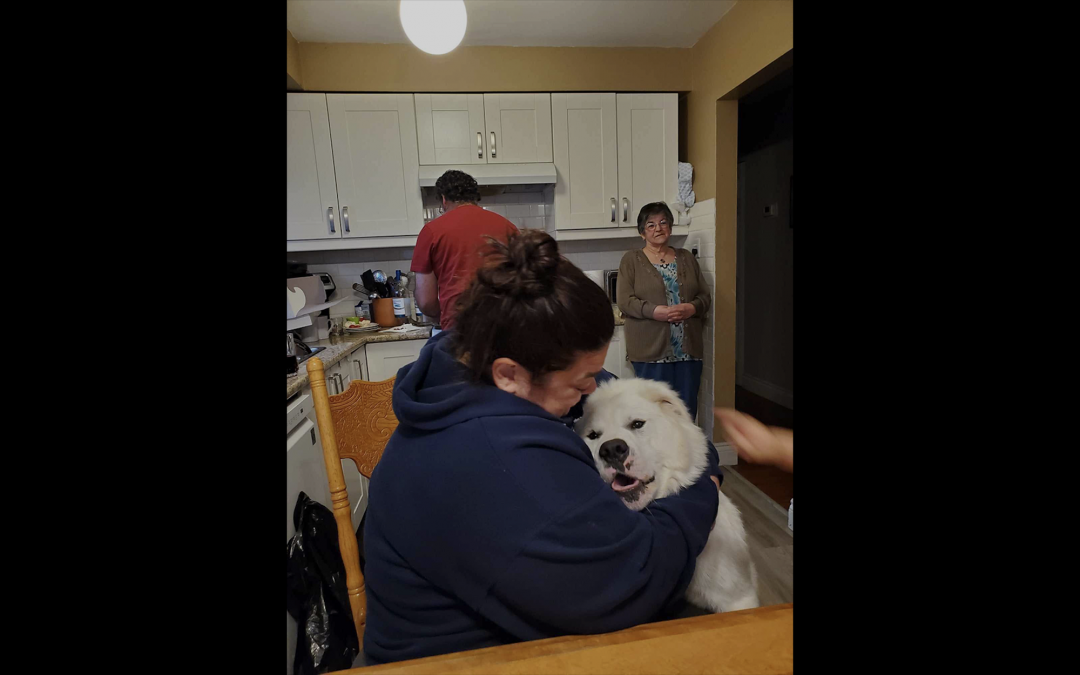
[448, 250]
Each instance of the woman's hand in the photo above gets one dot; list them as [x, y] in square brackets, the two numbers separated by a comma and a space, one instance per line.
[680, 312]
[660, 313]
[755, 442]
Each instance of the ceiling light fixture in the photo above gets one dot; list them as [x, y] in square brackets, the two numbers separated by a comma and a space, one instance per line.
[435, 26]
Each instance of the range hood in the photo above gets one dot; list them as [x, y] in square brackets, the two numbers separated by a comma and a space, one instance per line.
[494, 174]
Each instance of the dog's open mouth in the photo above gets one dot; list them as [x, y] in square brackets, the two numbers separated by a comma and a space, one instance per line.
[628, 487]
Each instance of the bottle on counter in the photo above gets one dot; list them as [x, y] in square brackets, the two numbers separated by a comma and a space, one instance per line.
[400, 312]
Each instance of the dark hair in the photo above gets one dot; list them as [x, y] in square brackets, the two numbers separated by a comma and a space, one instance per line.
[458, 186]
[652, 210]
[529, 304]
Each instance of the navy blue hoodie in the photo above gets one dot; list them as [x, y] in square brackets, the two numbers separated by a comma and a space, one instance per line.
[488, 523]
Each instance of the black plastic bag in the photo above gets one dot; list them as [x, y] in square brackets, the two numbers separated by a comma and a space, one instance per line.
[318, 597]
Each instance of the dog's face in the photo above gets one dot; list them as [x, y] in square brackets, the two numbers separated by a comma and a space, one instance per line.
[642, 439]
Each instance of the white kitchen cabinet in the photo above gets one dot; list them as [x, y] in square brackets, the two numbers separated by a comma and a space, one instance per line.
[613, 153]
[454, 129]
[616, 353]
[450, 129]
[376, 164]
[338, 377]
[586, 160]
[615, 362]
[311, 201]
[648, 152]
[518, 128]
[358, 362]
[384, 358]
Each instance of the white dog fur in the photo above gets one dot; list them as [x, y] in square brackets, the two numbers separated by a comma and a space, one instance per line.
[665, 452]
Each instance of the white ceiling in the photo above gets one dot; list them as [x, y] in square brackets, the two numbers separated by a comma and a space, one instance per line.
[519, 23]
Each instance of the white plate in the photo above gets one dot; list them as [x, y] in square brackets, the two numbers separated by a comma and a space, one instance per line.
[365, 329]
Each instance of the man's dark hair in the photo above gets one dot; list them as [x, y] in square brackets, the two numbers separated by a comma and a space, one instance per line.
[458, 186]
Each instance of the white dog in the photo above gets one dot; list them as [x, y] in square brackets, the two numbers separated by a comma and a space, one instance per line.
[647, 447]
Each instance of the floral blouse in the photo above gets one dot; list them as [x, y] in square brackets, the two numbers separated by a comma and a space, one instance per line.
[671, 282]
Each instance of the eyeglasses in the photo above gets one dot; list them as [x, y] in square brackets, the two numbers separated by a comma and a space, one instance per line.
[663, 224]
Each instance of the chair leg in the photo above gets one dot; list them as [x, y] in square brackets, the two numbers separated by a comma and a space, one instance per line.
[339, 496]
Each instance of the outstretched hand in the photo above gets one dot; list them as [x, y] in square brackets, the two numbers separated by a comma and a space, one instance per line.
[755, 442]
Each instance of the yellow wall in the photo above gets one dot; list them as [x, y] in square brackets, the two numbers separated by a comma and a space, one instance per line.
[404, 68]
[749, 37]
[292, 59]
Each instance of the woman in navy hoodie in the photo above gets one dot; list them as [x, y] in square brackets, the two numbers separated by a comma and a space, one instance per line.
[487, 522]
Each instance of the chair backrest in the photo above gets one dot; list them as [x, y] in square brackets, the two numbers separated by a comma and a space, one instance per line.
[356, 425]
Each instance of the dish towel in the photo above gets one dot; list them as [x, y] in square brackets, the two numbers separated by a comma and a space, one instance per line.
[405, 328]
[686, 189]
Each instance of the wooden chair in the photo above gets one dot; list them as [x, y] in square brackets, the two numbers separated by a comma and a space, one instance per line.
[356, 425]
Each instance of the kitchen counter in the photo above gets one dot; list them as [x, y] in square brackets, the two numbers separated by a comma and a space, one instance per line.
[338, 347]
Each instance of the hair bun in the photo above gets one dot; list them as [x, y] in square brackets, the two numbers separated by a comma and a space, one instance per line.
[525, 266]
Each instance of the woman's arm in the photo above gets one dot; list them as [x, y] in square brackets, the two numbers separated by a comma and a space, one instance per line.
[630, 304]
[700, 302]
[602, 567]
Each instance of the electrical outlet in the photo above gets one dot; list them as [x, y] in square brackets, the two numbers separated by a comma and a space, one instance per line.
[771, 210]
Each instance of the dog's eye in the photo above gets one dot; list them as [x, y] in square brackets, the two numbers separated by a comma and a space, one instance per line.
[593, 435]
[637, 424]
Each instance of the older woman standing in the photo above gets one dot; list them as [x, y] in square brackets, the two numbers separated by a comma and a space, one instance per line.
[665, 299]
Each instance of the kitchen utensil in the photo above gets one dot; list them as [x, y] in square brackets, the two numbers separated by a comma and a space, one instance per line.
[369, 280]
[380, 284]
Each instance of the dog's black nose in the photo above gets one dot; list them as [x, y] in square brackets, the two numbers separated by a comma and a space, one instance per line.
[614, 452]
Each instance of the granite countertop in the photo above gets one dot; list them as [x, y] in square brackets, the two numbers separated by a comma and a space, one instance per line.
[338, 347]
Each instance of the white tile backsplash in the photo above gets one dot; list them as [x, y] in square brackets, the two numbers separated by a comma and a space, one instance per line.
[518, 210]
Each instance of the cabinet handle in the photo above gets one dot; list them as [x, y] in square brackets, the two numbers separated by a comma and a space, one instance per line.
[493, 145]
[345, 217]
[340, 382]
[479, 145]
[613, 209]
[625, 208]
[330, 212]
[359, 368]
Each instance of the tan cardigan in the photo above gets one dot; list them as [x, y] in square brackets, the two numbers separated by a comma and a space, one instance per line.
[641, 288]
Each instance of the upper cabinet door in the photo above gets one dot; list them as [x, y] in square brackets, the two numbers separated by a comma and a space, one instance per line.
[450, 128]
[518, 128]
[378, 170]
[585, 149]
[311, 203]
[648, 152]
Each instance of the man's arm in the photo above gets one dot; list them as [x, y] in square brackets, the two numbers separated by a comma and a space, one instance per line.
[427, 294]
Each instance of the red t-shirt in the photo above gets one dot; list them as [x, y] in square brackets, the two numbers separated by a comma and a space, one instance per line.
[450, 246]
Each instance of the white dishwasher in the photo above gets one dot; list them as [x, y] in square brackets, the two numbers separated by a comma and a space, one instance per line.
[306, 472]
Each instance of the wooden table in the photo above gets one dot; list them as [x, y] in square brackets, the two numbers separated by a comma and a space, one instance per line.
[754, 641]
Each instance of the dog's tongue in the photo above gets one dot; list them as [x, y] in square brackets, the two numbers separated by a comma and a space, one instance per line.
[623, 482]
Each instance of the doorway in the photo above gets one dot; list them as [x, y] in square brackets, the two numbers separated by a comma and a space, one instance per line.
[764, 262]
